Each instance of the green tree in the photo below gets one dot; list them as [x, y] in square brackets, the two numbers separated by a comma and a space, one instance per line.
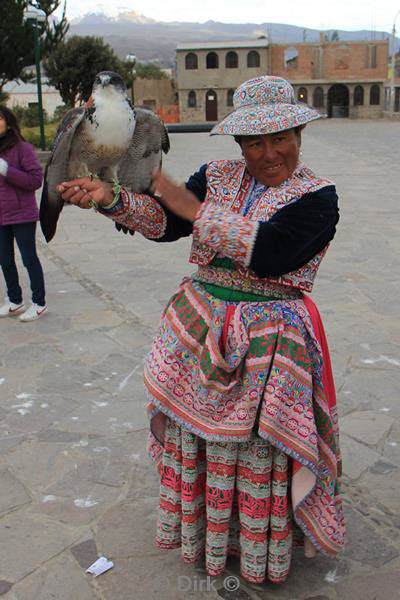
[334, 36]
[72, 67]
[149, 71]
[16, 37]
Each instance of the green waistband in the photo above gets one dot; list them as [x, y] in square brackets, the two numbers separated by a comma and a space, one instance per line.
[231, 295]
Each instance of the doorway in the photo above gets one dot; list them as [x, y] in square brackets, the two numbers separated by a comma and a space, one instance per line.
[338, 101]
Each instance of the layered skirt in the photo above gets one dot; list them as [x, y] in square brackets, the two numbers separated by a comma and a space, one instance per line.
[244, 435]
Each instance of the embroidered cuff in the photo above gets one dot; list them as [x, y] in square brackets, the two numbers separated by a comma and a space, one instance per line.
[139, 212]
[228, 233]
[3, 167]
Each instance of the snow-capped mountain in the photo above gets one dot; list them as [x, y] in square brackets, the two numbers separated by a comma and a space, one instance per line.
[103, 13]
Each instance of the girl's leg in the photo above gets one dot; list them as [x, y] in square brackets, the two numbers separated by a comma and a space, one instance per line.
[25, 236]
[7, 261]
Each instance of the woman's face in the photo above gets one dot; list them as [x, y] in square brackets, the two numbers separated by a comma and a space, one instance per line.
[3, 125]
[272, 158]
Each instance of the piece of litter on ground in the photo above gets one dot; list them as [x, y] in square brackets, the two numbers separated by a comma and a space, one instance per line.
[101, 565]
[330, 577]
[49, 498]
[23, 396]
[85, 503]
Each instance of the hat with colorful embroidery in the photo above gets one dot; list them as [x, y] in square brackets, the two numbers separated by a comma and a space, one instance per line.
[263, 105]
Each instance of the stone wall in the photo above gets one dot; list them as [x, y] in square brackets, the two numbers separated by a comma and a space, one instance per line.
[220, 80]
[155, 93]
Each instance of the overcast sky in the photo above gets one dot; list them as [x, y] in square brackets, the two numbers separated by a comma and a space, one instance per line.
[317, 14]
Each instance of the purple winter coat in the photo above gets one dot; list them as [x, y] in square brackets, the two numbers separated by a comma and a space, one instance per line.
[17, 188]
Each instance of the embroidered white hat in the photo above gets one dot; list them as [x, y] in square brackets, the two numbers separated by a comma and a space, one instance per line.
[263, 105]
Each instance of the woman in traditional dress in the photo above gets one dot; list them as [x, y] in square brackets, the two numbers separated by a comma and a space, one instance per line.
[241, 396]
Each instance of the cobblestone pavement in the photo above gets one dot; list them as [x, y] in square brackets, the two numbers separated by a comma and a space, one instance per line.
[75, 482]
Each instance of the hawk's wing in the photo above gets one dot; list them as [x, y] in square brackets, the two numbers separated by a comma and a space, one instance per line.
[56, 171]
[135, 169]
[149, 140]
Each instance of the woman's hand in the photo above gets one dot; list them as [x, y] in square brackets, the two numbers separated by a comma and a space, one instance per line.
[86, 192]
[176, 197]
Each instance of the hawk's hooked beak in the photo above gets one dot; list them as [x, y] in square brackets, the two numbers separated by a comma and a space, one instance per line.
[105, 80]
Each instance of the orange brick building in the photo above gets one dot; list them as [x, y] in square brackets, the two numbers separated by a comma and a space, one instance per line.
[340, 79]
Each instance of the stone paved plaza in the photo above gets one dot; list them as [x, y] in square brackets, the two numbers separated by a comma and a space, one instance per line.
[75, 482]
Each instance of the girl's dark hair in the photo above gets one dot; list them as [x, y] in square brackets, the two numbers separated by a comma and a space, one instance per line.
[13, 133]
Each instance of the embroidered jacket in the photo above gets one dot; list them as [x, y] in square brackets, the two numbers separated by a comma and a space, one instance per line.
[234, 235]
[281, 240]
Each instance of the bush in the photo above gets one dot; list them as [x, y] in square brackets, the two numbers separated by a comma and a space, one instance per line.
[59, 113]
[32, 135]
[28, 116]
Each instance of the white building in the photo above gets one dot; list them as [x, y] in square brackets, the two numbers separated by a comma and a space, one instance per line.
[25, 94]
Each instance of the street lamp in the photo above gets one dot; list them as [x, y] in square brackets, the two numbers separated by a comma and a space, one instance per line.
[35, 16]
[131, 59]
[392, 94]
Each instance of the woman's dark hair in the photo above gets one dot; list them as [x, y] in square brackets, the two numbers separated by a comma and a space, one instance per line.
[13, 133]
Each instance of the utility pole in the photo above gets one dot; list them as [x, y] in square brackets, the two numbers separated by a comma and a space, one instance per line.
[36, 16]
[392, 88]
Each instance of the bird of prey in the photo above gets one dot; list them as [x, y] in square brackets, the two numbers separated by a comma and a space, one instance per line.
[109, 138]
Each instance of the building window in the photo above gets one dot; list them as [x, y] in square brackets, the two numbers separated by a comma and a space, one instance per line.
[253, 59]
[374, 94]
[318, 97]
[302, 95]
[358, 95]
[212, 60]
[370, 58]
[150, 104]
[291, 58]
[231, 60]
[229, 98]
[192, 102]
[191, 61]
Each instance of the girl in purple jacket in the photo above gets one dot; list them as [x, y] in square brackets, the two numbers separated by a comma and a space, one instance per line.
[20, 176]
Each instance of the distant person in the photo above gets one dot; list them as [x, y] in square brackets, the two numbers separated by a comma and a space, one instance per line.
[20, 176]
[241, 396]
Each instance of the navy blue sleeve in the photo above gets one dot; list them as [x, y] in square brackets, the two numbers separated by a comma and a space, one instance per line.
[295, 233]
[176, 226]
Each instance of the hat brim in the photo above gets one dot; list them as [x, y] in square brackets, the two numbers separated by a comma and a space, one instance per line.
[265, 118]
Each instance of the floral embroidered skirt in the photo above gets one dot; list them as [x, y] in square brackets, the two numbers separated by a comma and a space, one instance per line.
[246, 441]
[221, 498]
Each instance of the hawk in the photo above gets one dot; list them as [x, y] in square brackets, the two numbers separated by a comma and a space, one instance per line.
[109, 138]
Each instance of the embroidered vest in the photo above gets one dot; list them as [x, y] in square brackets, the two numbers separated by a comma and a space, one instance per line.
[228, 183]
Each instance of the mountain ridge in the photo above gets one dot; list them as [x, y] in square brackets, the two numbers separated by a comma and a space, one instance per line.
[132, 33]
